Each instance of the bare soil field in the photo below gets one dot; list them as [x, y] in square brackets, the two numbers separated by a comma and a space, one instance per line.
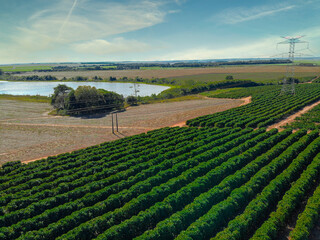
[28, 133]
[167, 73]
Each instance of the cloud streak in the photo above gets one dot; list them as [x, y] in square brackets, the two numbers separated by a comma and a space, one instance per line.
[239, 15]
[67, 18]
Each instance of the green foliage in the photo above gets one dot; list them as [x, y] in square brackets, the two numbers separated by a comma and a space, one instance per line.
[268, 106]
[309, 120]
[31, 78]
[59, 95]
[309, 217]
[132, 100]
[26, 98]
[84, 100]
[291, 200]
[79, 78]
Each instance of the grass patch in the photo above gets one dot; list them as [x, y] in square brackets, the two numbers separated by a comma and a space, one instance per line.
[262, 77]
[218, 91]
[161, 68]
[176, 99]
[308, 61]
[25, 98]
[24, 68]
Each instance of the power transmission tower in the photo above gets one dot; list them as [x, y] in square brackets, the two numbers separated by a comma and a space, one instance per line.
[136, 89]
[288, 86]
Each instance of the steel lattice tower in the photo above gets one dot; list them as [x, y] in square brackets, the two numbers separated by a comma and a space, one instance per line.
[288, 86]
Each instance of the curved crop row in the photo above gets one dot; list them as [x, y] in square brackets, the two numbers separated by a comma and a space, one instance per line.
[176, 177]
[219, 214]
[172, 226]
[271, 227]
[112, 185]
[268, 106]
[256, 211]
[308, 218]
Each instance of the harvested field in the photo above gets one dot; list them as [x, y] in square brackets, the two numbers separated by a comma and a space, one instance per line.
[27, 132]
[167, 73]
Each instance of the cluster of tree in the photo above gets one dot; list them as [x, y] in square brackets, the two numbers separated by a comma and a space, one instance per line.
[132, 65]
[84, 100]
[144, 80]
[79, 78]
[200, 64]
[32, 78]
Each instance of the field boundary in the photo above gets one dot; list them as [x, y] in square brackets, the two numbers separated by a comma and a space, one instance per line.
[292, 117]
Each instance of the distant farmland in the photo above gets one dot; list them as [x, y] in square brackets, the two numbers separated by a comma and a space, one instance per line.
[261, 72]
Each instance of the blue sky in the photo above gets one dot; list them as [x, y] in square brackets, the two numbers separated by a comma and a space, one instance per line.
[147, 30]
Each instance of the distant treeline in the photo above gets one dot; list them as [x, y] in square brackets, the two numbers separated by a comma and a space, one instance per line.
[130, 66]
[30, 78]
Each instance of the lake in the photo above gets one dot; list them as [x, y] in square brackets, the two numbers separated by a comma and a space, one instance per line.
[46, 88]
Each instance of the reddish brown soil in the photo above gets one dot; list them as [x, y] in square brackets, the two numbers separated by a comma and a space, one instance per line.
[28, 133]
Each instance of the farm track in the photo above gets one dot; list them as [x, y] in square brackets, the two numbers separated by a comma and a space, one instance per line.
[292, 117]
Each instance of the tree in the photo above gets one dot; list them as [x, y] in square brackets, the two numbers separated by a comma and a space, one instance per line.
[85, 100]
[87, 96]
[229, 77]
[1, 72]
[59, 95]
[132, 100]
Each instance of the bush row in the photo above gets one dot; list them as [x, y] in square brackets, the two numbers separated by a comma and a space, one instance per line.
[257, 210]
[220, 214]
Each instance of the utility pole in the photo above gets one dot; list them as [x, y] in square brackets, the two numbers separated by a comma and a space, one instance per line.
[117, 121]
[288, 86]
[112, 121]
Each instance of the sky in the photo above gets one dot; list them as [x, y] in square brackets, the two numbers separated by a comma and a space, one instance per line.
[38, 31]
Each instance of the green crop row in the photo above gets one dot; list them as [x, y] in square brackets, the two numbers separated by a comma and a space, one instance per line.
[221, 213]
[109, 185]
[210, 175]
[258, 209]
[268, 106]
[69, 161]
[172, 226]
[139, 191]
[308, 218]
[107, 176]
[76, 175]
[292, 198]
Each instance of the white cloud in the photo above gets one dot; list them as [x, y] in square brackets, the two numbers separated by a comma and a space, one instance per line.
[117, 46]
[67, 23]
[240, 14]
[257, 49]
[70, 21]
